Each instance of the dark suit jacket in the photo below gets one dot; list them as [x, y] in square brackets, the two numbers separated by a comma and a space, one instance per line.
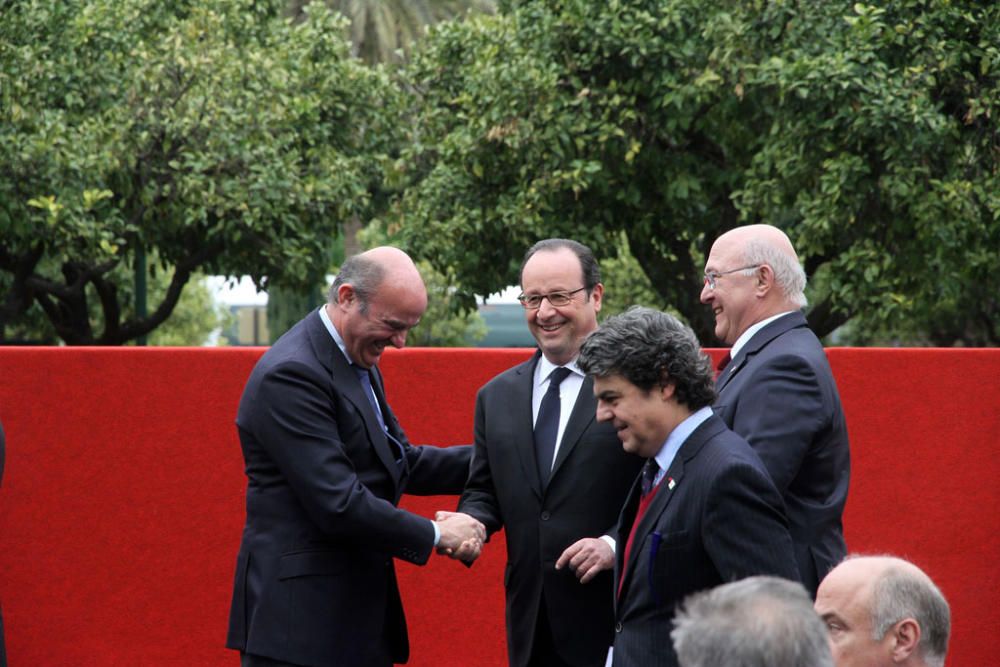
[723, 520]
[315, 579]
[588, 483]
[779, 394]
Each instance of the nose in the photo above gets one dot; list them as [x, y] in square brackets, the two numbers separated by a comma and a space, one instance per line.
[706, 294]
[603, 412]
[398, 339]
[545, 309]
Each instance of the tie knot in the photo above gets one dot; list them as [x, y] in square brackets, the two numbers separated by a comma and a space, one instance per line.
[557, 376]
[649, 472]
[362, 373]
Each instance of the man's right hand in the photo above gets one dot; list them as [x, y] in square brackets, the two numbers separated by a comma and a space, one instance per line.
[462, 536]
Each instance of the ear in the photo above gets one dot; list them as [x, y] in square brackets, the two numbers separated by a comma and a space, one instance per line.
[597, 294]
[764, 276]
[667, 391]
[345, 294]
[906, 638]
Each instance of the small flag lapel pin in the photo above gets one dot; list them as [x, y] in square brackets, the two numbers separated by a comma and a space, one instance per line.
[671, 483]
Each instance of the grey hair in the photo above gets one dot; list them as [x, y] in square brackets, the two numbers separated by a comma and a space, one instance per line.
[901, 593]
[591, 270]
[755, 622]
[361, 273]
[650, 349]
[788, 273]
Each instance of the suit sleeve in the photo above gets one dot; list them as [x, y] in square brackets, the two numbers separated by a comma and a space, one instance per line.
[480, 497]
[437, 470]
[294, 419]
[745, 529]
[779, 415]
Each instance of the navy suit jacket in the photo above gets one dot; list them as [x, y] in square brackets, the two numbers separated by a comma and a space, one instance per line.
[779, 394]
[315, 579]
[716, 517]
[590, 477]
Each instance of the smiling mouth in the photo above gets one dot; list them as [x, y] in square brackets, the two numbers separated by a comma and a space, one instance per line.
[550, 328]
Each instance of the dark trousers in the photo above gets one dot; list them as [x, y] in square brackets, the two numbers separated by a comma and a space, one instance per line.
[543, 650]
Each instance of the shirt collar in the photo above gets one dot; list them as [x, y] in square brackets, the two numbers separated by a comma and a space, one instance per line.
[328, 323]
[679, 436]
[749, 333]
[545, 368]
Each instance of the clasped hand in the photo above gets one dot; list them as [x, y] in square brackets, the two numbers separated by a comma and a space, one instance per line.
[462, 536]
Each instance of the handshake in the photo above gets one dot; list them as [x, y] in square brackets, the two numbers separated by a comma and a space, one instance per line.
[462, 536]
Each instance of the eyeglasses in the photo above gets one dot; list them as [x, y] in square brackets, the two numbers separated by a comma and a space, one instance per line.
[557, 299]
[711, 277]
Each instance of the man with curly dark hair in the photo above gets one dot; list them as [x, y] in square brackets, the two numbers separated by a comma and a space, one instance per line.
[704, 510]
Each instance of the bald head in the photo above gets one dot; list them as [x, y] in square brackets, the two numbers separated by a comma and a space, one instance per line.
[377, 270]
[883, 610]
[752, 273]
[376, 298]
[763, 235]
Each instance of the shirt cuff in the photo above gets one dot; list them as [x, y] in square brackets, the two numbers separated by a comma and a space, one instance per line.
[611, 542]
[437, 533]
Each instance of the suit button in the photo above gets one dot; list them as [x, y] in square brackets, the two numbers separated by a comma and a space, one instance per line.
[546, 516]
[618, 626]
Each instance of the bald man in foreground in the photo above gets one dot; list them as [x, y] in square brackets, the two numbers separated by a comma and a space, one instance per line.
[882, 611]
[326, 463]
[778, 391]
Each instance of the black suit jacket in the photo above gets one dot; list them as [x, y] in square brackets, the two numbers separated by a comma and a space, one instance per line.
[716, 517]
[779, 394]
[588, 483]
[315, 580]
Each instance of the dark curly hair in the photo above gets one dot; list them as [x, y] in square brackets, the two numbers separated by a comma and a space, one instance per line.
[651, 349]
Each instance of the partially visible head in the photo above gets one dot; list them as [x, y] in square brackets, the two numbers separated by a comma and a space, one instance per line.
[567, 268]
[376, 298]
[756, 273]
[754, 622]
[883, 611]
[649, 374]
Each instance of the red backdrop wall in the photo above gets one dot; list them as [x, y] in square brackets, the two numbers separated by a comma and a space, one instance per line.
[122, 502]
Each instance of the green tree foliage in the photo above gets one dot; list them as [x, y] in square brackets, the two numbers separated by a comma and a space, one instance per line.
[195, 318]
[868, 133]
[382, 31]
[215, 134]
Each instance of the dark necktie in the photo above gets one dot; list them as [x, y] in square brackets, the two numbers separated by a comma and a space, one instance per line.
[369, 392]
[366, 387]
[547, 425]
[649, 476]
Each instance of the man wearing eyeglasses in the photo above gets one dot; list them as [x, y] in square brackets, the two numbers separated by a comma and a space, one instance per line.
[776, 389]
[549, 474]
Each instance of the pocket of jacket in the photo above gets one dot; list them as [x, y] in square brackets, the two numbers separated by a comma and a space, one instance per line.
[310, 563]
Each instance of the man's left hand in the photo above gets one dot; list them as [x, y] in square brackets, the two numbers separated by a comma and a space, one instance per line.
[587, 557]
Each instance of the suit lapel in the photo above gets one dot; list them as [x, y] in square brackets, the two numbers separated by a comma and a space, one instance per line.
[670, 486]
[392, 426]
[665, 492]
[582, 416]
[524, 434]
[758, 342]
[330, 356]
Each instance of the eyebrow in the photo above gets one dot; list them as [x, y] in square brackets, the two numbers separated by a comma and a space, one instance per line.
[832, 616]
[398, 324]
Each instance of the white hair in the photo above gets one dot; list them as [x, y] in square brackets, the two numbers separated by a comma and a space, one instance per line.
[788, 273]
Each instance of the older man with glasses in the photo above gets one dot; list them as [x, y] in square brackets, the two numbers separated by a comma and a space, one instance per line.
[776, 389]
[550, 475]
